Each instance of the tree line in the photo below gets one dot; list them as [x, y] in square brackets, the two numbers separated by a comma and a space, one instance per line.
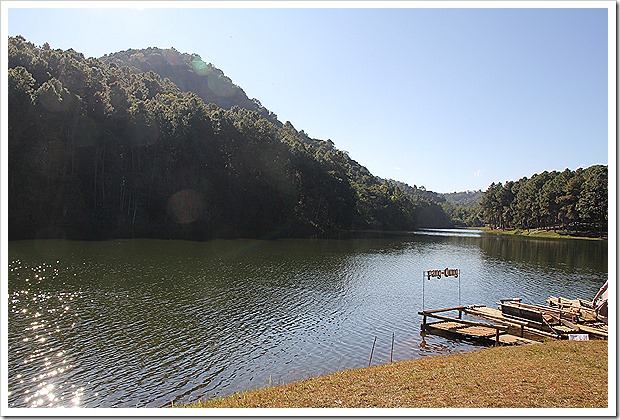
[575, 201]
[110, 148]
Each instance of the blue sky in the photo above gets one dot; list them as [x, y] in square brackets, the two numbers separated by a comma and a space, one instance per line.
[447, 98]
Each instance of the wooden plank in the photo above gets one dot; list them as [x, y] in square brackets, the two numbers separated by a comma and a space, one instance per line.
[592, 330]
[496, 315]
[516, 310]
[484, 309]
[539, 332]
[493, 315]
[573, 313]
[477, 332]
[446, 325]
[433, 311]
[468, 322]
[465, 330]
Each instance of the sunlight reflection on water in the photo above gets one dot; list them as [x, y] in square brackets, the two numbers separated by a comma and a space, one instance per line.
[450, 232]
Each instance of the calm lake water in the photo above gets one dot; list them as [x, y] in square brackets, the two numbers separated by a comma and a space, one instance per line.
[142, 323]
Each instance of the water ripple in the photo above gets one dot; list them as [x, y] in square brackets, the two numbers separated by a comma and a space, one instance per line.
[146, 323]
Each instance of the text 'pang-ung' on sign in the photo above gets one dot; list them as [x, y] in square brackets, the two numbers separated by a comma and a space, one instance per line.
[447, 272]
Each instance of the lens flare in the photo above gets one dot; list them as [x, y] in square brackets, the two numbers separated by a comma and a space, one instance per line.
[186, 206]
[198, 66]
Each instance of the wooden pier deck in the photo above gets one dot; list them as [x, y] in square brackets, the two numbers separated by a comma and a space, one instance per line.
[496, 334]
[515, 323]
[556, 320]
[478, 333]
[520, 327]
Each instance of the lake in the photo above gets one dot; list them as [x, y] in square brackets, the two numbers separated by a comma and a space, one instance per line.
[143, 323]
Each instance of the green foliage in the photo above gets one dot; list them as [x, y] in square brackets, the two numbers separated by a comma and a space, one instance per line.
[569, 200]
[463, 208]
[464, 198]
[155, 143]
[191, 74]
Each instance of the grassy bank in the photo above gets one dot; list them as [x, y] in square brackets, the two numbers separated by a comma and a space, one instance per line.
[560, 374]
[536, 233]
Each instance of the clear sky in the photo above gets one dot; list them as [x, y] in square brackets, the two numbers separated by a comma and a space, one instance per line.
[447, 98]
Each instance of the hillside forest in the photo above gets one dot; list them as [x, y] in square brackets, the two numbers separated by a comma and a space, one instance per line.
[567, 201]
[158, 143]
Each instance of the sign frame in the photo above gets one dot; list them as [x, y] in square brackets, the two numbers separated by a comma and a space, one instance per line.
[438, 274]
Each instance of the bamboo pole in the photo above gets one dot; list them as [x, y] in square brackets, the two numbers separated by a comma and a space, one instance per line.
[372, 351]
[432, 311]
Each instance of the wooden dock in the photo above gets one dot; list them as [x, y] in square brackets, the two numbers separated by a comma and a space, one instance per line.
[514, 323]
[520, 327]
[581, 307]
[558, 321]
[495, 334]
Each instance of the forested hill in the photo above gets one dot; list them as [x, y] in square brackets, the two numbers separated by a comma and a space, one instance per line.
[191, 74]
[464, 198]
[99, 149]
[575, 201]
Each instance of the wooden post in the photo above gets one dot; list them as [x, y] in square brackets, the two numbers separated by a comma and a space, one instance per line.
[392, 351]
[424, 323]
[372, 351]
[423, 290]
[497, 337]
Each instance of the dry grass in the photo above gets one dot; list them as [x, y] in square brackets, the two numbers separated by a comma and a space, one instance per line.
[560, 374]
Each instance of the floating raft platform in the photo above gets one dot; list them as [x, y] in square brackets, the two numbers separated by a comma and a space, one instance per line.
[560, 321]
[515, 323]
[494, 334]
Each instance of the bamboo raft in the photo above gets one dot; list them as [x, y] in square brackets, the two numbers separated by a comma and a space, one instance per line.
[560, 321]
[514, 322]
[495, 334]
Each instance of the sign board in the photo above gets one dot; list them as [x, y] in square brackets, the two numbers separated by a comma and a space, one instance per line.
[438, 274]
[579, 337]
[446, 272]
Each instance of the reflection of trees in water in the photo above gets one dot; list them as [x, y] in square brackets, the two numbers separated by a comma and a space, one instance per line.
[569, 254]
[497, 267]
[565, 253]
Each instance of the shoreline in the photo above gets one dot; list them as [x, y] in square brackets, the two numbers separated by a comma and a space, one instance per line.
[536, 233]
[554, 374]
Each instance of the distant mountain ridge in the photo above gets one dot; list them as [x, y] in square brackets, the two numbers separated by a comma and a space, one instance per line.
[464, 198]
